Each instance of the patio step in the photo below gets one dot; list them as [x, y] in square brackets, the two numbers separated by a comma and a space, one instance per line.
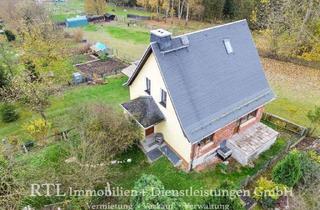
[171, 155]
[149, 145]
[154, 155]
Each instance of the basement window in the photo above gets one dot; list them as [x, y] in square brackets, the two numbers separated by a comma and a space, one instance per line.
[163, 101]
[148, 86]
[228, 46]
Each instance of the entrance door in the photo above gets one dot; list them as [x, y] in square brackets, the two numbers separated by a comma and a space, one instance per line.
[149, 131]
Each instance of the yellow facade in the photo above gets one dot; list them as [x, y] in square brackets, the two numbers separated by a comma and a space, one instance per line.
[170, 127]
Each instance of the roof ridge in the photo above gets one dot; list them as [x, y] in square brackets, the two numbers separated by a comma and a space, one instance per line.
[210, 28]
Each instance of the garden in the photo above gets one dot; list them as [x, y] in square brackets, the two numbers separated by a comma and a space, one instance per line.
[52, 132]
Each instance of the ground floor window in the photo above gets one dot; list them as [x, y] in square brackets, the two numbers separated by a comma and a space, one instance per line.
[248, 117]
[206, 141]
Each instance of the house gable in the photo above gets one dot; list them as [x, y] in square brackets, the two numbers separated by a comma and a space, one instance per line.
[170, 127]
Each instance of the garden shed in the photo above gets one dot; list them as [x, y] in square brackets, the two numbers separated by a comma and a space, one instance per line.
[77, 22]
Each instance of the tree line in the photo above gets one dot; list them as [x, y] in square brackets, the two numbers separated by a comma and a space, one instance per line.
[292, 27]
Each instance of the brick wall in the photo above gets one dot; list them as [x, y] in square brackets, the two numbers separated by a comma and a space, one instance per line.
[225, 133]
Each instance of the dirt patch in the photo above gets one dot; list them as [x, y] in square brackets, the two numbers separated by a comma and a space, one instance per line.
[308, 143]
[101, 68]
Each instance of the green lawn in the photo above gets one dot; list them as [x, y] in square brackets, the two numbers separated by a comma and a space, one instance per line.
[61, 105]
[67, 9]
[127, 34]
[296, 88]
[176, 179]
[53, 156]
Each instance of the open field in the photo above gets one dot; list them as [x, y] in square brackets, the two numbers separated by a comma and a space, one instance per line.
[297, 89]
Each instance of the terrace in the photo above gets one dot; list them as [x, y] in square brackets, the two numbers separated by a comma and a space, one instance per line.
[247, 145]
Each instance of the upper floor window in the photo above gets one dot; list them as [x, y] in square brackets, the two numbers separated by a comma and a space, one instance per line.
[148, 85]
[228, 46]
[248, 117]
[163, 101]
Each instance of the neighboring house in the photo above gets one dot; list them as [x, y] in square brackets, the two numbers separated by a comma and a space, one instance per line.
[204, 92]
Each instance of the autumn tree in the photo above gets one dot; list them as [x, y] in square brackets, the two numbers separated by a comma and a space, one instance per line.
[197, 9]
[44, 63]
[101, 123]
[8, 63]
[291, 26]
[213, 9]
[95, 7]
[100, 134]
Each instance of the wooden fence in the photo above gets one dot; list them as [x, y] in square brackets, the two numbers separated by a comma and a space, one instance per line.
[285, 124]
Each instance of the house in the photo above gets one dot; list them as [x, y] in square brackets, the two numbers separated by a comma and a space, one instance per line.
[204, 94]
[77, 22]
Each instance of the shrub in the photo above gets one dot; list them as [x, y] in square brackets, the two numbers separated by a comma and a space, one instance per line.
[289, 170]
[78, 35]
[147, 188]
[101, 124]
[314, 156]
[267, 192]
[103, 56]
[4, 77]
[38, 129]
[9, 113]
[10, 36]
[225, 197]
[310, 169]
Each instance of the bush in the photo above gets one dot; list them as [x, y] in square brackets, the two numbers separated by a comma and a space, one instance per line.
[78, 35]
[9, 113]
[103, 56]
[101, 124]
[147, 188]
[4, 77]
[289, 170]
[38, 129]
[10, 36]
[225, 198]
[267, 192]
[310, 169]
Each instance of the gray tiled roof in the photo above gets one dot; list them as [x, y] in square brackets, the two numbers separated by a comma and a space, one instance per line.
[208, 87]
[144, 110]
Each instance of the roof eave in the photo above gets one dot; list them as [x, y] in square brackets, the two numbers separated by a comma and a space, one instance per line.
[140, 65]
[264, 104]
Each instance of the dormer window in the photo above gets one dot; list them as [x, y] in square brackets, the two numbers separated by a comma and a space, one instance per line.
[228, 46]
[163, 101]
[148, 85]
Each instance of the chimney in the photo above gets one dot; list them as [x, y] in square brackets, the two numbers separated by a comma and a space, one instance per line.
[162, 37]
